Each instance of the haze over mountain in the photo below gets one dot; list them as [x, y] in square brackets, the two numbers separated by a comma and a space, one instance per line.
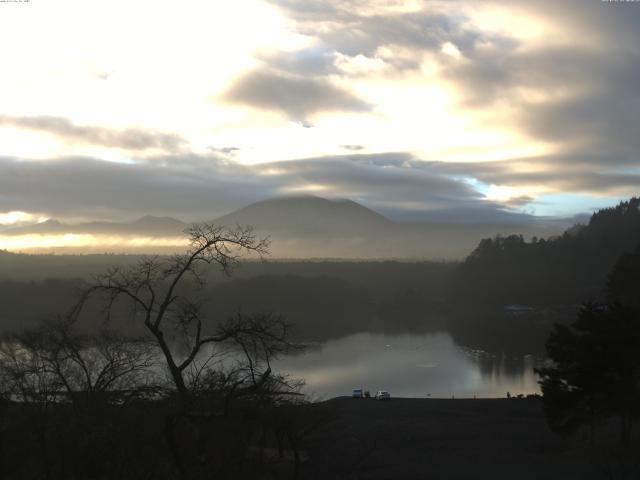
[310, 216]
[316, 227]
[307, 227]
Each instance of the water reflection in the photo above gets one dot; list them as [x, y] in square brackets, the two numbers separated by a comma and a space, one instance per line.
[409, 365]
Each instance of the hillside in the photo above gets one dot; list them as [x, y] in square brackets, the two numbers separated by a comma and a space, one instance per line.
[567, 269]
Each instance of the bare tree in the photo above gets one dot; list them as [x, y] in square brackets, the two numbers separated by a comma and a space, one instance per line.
[46, 369]
[212, 364]
[88, 367]
[254, 341]
[160, 292]
[27, 380]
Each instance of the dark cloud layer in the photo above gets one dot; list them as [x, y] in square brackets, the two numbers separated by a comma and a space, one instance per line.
[196, 187]
[583, 173]
[594, 99]
[297, 97]
[367, 181]
[85, 187]
[193, 187]
[130, 138]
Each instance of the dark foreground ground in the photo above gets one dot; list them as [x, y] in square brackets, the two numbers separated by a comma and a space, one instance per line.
[447, 439]
[342, 438]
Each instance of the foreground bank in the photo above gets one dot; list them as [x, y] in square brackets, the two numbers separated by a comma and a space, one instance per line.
[448, 439]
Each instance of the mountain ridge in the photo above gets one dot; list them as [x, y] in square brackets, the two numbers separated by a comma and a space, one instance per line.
[315, 227]
[147, 224]
[308, 215]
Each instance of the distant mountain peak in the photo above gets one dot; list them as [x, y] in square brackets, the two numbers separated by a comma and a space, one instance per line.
[309, 215]
[153, 220]
[146, 225]
[50, 222]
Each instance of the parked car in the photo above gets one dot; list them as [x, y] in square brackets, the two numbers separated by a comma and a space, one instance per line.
[357, 393]
[383, 395]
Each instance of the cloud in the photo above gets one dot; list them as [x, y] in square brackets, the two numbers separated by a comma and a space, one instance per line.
[603, 121]
[588, 174]
[198, 187]
[189, 187]
[581, 97]
[589, 97]
[193, 187]
[297, 97]
[376, 180]
[356, 27]
[578, 95]
[399, 186]
[225, 150]
[309, 62]
[135, 139]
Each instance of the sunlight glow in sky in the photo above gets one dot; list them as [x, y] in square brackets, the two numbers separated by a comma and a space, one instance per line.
[88, 243]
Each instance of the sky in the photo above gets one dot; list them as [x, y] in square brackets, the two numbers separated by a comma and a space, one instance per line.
[114, 110]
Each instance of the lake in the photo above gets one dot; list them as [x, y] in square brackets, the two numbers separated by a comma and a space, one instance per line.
[408, 365]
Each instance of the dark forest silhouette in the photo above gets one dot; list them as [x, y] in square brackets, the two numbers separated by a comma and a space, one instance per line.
[561, 270]
[595, 369]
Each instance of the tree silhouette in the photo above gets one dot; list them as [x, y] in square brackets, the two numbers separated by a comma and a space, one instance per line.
[162, 300]
[559, 270]
[96, 403]
[624, 280]
[595, 370]
[211, 362]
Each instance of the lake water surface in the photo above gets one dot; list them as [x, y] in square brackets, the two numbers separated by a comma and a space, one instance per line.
[408, 365]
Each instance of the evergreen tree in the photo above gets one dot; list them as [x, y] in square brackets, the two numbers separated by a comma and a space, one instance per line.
[623, 285]
[595, 369]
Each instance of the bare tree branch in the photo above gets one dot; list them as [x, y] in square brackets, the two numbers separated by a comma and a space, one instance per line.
[153, 287]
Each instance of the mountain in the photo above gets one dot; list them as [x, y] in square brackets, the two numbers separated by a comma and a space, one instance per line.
[149, 225]
[310, 227]
[310, 216]
[314, 227]
[49, 226]
[307, 227]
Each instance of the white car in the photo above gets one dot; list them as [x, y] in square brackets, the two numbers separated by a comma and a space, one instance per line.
[383, 395]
